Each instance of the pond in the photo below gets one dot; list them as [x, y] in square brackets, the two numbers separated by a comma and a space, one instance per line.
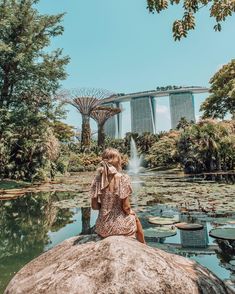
[36, 222]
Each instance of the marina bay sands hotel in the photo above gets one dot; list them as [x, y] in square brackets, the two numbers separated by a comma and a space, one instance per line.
[143, 108]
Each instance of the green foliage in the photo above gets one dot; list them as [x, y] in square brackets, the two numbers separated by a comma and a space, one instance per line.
[169, 87]
[83, 162]
[163, 153]
[63, 132]
[207, 146]
[222, 98]
[204, 147]
[26, 153]
[28, 74]
[143, 141]
[220, 10]
[25, 223]
[29, 78]
[11, 184]
[183, 123]
[73, 160]
[119, 144]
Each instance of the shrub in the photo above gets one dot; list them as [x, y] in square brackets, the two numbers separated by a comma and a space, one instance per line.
[83, 162]
[163, 152]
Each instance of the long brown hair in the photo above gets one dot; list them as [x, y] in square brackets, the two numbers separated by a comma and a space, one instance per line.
[109, 154]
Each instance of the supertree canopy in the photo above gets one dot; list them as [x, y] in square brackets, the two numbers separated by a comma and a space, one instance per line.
[85, 100]
[101, 114]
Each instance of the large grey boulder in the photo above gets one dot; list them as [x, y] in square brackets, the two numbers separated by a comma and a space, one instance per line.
[115, 265]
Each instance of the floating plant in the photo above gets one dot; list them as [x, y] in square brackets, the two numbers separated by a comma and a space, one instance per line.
[160, 232]
[189, 227]
[223, 233]
[157, 220]
[224, 221]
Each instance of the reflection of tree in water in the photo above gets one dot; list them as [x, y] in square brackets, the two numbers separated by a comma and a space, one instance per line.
[24, 224]
[226, 251]
[224, 178]
[86, 220]
[226, 254]
[63, 217]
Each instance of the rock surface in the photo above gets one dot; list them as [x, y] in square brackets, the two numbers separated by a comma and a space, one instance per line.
[115, 265]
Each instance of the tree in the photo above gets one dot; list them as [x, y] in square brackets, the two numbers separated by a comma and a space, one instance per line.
[86, 220]
[163, 153]
[101, 114]
[28, 74]
[183, 123]
[207, 146]
[220, 10]
[63, 132]
[25, 223]
[27, 149]
[222, 98]
[29, 79]
[85, 100]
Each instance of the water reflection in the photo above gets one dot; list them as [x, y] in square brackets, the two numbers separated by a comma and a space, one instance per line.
[35, 223]
[32, 224]
[194, 239]
[86, 220]
[24, 223]
[137, 183]
[217, 255]
[227, 178]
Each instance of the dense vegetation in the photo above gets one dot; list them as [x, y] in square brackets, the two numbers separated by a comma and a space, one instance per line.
[222, 99]
[207, 146]
[204, 147]
[29, 79]
[35, 144]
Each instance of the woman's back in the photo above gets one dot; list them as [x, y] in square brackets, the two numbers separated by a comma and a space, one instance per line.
[112, 219]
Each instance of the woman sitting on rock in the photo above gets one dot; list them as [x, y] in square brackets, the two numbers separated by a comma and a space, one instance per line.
[110, 191]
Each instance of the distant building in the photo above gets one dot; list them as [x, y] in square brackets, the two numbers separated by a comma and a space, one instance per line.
[181, 105]
[143, 108]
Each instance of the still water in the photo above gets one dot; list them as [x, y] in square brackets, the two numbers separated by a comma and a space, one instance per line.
[32, 224]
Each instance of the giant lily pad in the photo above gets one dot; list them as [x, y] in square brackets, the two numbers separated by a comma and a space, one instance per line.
[157, 220]
[189, 227]
[223, 233]
[232, 262]
[161, 232]
[224, 221]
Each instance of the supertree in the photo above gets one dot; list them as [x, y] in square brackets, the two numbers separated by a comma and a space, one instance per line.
[85, 100]
[101, 114]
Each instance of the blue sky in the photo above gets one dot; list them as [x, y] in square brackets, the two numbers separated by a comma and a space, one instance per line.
[117, 45]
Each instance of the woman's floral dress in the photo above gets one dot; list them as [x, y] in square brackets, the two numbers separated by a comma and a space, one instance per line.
[112, 219]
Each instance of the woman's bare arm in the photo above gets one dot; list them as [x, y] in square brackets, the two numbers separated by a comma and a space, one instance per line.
[126, 206]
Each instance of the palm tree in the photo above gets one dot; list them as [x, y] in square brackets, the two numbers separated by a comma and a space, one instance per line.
[207, 146]
[101, 114]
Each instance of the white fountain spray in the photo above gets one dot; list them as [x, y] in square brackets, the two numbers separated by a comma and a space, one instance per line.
[134, 165]
[134, 168]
